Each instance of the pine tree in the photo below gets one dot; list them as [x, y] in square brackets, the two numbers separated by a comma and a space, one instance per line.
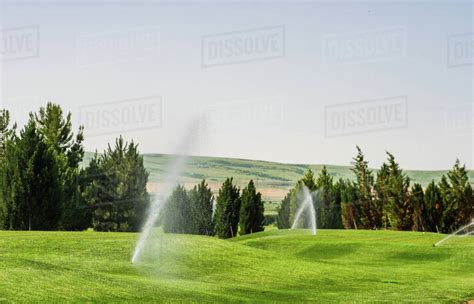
[56, 131]
[251, 210]
[371, 215]
[5, 135]
[177, 216]
[434, 208]
[227, 210]
[328, 202]
[202, 209]
[335, 215]
[5, 132]
[31, 188]
[283, 219]
[296, 197]
[398, 196]
[457, 198]
[309, 181]
[115, 188]
[417, 204]
[381, 194]
[349, 211]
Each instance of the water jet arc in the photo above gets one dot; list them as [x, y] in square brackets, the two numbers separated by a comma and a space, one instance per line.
[306, 205]
[453, 234]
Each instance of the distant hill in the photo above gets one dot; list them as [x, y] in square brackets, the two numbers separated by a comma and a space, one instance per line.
[272, 179]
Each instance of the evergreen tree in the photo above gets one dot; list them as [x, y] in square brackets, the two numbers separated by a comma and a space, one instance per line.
[349, 207]
[202, 209]
[328, 202]
[381, 194]
[177, 215]
[417, 204]
[434, 208]
[56, 131]
[283, 219]
[309, 181]
[398, 196]
[115, 188]
[251, 210]
[371, 215]
[5, 134]
[227, 210]
[296, 197]
[31, 189]
[334, 218]
[457, 197]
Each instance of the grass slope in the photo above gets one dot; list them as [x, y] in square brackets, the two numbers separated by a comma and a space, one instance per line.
[290, 266]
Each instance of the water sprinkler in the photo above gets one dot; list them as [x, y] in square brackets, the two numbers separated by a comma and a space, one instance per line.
[453, 234]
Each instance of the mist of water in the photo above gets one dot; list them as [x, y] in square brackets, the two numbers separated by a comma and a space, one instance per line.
[171, 179]
[308, 206]
[471, 224]
[214, 206]
[467, 234]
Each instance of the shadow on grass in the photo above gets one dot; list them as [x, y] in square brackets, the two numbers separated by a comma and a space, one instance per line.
[323, 251]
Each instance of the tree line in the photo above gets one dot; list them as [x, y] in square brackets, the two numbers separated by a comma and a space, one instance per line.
[384, 200]
[198, 212]
[43, 186]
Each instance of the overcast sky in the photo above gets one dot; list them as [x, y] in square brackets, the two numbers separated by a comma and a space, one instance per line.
[288, 82]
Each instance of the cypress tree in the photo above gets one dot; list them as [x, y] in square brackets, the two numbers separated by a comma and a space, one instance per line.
[296, 197]
[202, 209]
[398, 196]
[417, 204]
[349, 210]
[457, 197]
[334, 218]
[177, 217]
[251, 210]
[370, 215]
[328, 201]
[227, 210]
[434, 208]
[283, 219]
[381, 194]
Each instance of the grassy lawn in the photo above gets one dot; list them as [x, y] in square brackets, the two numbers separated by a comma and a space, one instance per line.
[290, 266]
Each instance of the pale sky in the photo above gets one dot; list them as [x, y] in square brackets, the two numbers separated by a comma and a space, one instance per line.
[297, 82]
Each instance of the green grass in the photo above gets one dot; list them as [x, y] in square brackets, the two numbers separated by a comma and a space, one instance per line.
[267, 175]
[289, 266]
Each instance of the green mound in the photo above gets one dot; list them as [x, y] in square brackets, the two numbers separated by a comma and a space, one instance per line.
[289, 266]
